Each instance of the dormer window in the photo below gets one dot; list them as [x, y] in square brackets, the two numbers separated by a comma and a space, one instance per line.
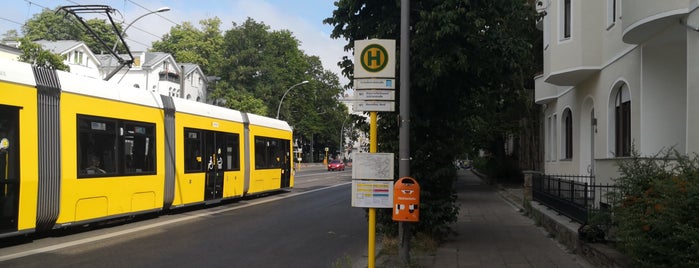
[77, 57]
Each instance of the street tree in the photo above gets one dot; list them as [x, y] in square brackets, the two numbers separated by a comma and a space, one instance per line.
[190, 44]
[266, 63]
[10, 35]
[33, 53]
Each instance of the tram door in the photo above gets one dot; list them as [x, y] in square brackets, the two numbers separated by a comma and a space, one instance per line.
[214, 151]
[286, 165]
[9, 167]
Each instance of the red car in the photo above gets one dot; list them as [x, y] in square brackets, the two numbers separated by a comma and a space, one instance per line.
[336, 165]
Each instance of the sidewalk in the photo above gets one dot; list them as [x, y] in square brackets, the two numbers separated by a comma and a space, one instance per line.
[492, 232]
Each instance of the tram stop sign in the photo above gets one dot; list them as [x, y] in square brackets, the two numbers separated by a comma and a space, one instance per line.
[375, 58]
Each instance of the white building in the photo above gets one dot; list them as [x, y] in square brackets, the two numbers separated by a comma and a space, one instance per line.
[617, 74]
[158, 72]
[9, 52]
[361, 144]
[76, 55]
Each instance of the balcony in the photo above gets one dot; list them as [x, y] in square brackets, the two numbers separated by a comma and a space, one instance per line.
[573, 76]
[544, 92]
[642, 19]
[169, 76]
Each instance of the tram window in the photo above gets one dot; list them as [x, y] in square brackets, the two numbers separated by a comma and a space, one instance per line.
[201, 145]
[96, 143]
[232, 152]
[192, 151]
[268, 153]
[109, 147]
[138, 148]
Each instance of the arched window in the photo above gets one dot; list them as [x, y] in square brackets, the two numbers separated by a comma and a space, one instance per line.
[567, 134]
[622, 121]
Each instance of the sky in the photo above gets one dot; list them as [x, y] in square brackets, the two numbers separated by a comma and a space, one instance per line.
[304, 18]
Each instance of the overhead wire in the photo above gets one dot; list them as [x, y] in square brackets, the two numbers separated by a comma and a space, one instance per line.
[159, 37]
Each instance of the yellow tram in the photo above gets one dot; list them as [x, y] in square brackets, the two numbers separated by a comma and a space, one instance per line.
[75, 150]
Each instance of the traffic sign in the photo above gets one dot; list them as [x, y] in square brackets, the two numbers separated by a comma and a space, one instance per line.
[374, 58]
[374, 94]
[374, 106]
[373, 83]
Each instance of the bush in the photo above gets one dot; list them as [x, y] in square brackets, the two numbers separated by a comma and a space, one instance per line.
[658, 211]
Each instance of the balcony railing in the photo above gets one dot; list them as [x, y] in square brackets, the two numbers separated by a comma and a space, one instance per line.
[168, 76]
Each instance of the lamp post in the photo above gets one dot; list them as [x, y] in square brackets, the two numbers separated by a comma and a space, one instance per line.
[287, 91]
[120, 36]
[159, 10]
[342, 140]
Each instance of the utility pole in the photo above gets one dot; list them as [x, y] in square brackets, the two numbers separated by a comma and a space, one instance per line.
[404, 128]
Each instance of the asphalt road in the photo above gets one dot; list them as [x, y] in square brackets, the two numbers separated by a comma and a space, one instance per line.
[312, 225]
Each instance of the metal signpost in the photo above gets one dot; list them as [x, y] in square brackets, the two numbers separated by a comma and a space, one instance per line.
[374, 73]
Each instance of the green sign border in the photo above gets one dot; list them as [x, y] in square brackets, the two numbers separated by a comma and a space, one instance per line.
[382, 66]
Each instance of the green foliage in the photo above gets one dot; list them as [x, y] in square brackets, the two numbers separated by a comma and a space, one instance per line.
[37, 56]
[10, 35]
[470, 62]
[189, 44]
[599, 223]
[658, 211]
[51, 25]
[238, 100]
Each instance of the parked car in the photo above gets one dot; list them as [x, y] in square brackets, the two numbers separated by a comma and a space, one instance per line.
[336, 165]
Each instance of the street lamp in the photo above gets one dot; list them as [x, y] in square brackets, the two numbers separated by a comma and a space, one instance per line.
[159, 10]
[287, 91]
[342, 140]
[120, 35]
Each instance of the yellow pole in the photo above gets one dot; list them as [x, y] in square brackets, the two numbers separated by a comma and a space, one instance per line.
[372, 211]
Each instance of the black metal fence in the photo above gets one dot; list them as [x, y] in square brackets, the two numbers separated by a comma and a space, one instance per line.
[573, 196]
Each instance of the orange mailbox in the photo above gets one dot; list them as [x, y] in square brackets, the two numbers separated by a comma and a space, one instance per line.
[406, 200]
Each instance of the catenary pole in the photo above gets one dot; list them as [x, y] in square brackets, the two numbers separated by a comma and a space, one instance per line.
[404, 128]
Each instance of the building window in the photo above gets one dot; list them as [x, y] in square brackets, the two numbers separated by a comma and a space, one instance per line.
[554, 136]
[547, 31]
[77, 57]
[547, 135]
[568, 134]
[566, 19]
[611, 13]
[622, 121]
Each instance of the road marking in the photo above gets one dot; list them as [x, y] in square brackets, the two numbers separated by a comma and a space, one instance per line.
[155, 225]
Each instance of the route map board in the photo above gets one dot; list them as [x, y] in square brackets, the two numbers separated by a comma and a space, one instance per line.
[372, 166]
[372, 180]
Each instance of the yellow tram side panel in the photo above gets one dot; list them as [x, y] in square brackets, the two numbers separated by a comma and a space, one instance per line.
[25, 98]
[189, 187]
[262, 180]
[93, 198]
